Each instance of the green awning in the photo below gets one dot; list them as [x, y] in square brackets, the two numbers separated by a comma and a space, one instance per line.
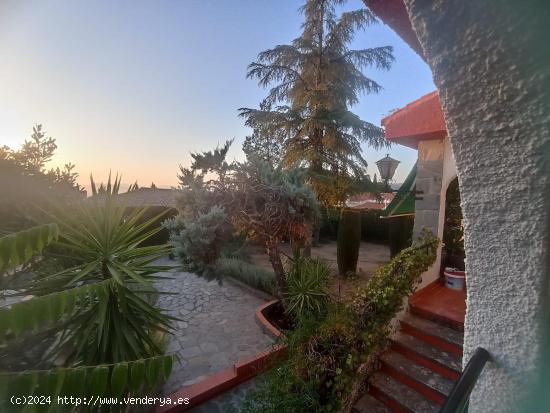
[404, 201]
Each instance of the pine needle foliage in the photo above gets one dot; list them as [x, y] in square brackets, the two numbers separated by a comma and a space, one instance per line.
[313, 83]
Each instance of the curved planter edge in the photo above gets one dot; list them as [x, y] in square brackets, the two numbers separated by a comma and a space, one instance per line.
[265, 324]
[225, 380]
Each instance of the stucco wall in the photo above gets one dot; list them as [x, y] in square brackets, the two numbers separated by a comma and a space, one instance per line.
[490, 64]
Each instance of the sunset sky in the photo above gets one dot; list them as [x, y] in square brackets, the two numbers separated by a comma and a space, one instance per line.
[134, 86]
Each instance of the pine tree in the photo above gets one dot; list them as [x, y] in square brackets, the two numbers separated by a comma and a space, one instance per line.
[265, 146]
[314, 81]
[36, 151]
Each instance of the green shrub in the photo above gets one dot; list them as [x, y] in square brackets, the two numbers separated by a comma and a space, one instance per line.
[400, 233]
[374, 228]
[280, 391]
[235, 247]
[329, 353]
[328, 230]
[349, 241]
[252, 275]
[307, 281]
[198, 243]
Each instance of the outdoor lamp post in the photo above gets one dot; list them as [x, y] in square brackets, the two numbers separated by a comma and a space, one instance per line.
[387, 167]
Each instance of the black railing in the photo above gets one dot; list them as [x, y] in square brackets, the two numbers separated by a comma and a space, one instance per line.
[457, 402]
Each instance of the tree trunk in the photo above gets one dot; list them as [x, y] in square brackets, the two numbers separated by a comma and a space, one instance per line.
[277, 264]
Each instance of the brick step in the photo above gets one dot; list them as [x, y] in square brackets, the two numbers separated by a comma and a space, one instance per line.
[368, 404]
[445, 363]
[399, 397]
[436, 317]
[426, 382]
[436, 334]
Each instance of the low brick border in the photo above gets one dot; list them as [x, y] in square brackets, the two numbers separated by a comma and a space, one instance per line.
[224, 380]
[264, 323]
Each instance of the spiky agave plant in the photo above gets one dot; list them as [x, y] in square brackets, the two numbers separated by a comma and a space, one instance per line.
[104, 239]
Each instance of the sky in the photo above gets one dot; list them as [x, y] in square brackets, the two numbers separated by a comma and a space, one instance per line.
[134, 86]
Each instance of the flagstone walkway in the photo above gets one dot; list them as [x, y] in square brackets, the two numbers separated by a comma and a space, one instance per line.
[217, 326]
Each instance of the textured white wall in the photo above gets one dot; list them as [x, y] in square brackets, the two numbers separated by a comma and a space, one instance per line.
[490, 66]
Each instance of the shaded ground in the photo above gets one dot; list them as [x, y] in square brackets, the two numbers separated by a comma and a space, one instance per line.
[371, 256]
[230, 401]
[217, 328]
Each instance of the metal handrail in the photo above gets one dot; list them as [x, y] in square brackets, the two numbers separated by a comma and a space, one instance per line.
[457, 402]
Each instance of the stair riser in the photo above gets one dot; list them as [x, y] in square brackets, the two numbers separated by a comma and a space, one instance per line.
[436, 318]
[387, 400]
[426, 362]
[427, 392]
[435, 341]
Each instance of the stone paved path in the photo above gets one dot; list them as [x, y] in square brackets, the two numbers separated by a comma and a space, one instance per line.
[218, 327]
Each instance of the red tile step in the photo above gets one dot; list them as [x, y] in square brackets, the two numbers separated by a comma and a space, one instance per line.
[438, 303]
[419, 378]
[446, 364]
[421, 367]
[368, 404]
[440, 336]
[399, 397]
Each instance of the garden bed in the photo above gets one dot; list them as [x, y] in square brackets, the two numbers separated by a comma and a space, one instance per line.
[274, 314]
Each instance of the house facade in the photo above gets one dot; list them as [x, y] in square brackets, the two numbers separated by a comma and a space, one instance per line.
[421, 125]
[490, 66]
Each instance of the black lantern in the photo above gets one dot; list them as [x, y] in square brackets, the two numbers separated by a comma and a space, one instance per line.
[387, 167]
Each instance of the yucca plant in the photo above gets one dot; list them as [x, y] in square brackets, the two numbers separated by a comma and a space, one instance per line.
[103, 239]
[307, 280]
[54, 313]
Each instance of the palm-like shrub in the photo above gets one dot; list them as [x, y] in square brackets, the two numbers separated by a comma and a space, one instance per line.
[104, 240]
[57, 314]
[307, 280]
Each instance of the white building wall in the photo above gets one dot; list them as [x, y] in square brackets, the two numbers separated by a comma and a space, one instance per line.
[489, 65]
